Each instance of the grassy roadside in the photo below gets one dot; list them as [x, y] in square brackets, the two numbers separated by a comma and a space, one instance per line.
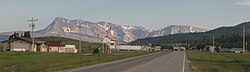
[219, 62]
[33, 62]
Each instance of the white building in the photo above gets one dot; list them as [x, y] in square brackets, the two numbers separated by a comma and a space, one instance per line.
[70, 49]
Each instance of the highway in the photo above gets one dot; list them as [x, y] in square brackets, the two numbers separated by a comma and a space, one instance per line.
[158, 62]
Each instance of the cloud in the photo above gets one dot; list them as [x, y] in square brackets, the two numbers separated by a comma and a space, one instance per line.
[244, 3]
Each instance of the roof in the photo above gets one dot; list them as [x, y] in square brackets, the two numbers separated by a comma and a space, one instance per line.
[55, 43]
[29, 40]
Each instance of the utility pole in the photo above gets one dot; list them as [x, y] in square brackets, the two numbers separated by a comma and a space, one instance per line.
[246, 47]
[213, 40]
[128, 40]
[102, 41]
[32, 25]
[80, 38]
[103, 37]
[244, 41]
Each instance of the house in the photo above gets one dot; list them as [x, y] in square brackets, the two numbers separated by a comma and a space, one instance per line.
[157, 48]
[23, 44]
[146, 48]
[55, 46]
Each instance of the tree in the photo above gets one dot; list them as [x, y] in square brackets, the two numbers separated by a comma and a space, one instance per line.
[27, 34]
[14, 36]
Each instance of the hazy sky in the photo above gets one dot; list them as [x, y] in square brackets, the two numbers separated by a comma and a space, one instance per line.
[151, 14]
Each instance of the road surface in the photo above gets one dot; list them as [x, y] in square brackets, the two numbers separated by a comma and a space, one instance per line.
[158, 62]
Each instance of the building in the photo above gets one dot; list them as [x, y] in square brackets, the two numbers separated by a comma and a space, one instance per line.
[112, 45]
[129, 47]
[70, 49]
[23, 44]
[231, 50]
[55, 46]
[237, 50]
[157, 48]
[214, 49]
[146, 48]
[177, 48]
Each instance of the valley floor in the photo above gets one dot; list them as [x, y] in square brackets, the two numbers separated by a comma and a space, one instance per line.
[37, 61]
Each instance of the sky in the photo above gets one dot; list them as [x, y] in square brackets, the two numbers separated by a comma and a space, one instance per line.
[151, 14]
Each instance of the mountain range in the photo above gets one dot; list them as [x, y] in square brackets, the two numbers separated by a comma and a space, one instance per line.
[93, 32]
[228, 34]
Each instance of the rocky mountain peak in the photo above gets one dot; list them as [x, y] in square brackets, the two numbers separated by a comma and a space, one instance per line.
[93, 32]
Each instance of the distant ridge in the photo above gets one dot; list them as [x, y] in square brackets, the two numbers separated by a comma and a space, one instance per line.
[92, 32]
[190, 37]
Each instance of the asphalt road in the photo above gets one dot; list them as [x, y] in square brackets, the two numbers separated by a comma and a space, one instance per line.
[172, 62]
[157, 62]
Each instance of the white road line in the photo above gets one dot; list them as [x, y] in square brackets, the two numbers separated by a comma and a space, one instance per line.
[184, 60]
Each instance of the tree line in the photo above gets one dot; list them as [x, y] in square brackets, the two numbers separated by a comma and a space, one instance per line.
[15, 35]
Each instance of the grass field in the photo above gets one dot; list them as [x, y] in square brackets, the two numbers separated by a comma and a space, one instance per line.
[36, 61]
[219, 62]
[47, 62]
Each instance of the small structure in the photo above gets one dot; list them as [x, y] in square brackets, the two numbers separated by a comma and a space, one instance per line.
[146, 48]
[55, 46]
[112, 45]
[23, 44]
[179, 48]
[156, 48]
[70, 49]
[231, 50]
[226, 50]
[194, 47]
[129, 47]
[237, 50]
[212, 48]
[106, 39]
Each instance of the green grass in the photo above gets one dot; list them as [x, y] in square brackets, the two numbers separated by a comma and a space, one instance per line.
[219, 62]
[47, 62]
[36, 61]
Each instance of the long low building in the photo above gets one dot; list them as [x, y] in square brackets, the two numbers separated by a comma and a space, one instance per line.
[25, 44]
[134, 47]
[113, 45]
[129, 47]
